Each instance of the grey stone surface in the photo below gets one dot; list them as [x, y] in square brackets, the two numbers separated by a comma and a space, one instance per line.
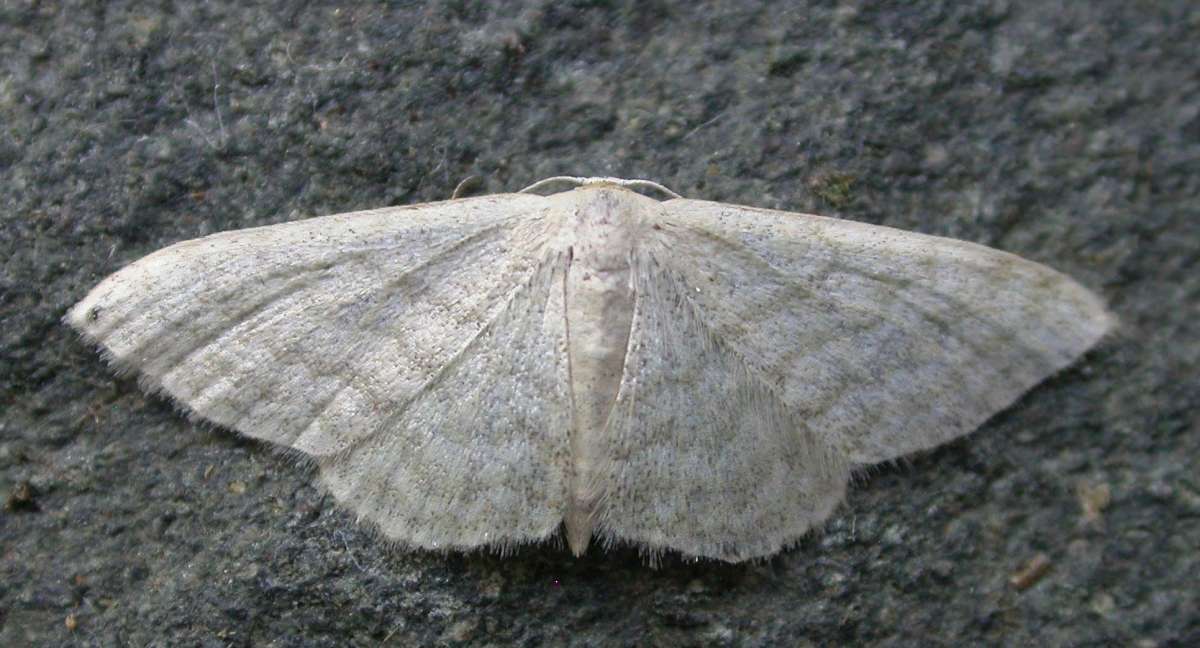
[1067, 132]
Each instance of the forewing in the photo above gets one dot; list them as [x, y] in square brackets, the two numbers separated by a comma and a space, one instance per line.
[701, 455]
[336, 335]
[479, 455]
[883, 341]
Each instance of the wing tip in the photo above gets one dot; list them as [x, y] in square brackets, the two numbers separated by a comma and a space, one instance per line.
[77, 317]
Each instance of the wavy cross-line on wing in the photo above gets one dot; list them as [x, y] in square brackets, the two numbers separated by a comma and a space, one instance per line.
[883, 341]
[332, 334]
[700, 455]
[481, 454]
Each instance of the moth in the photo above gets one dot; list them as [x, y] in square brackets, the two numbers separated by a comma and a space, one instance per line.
[677, 374]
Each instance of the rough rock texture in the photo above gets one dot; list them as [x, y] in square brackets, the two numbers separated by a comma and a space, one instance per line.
[1068, 133]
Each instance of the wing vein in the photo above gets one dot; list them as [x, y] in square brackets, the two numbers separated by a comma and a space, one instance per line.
[957, 305]
[445, 369]
[305, 280]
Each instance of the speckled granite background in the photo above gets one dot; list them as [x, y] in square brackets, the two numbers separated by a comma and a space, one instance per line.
[1067, 132]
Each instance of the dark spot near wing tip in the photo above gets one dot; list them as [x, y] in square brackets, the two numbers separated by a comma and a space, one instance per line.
[94, 314]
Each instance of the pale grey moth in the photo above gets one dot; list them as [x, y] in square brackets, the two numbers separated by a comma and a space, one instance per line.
[676, 374]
